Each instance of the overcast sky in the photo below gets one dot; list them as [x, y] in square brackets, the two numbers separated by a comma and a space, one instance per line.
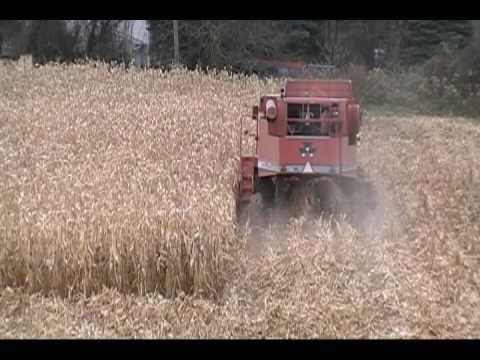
[140, 30]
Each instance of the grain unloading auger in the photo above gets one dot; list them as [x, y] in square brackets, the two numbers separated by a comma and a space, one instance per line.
[305, 153]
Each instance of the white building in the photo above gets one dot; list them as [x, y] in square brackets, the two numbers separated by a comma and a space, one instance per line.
[133, 32]
[140, 42]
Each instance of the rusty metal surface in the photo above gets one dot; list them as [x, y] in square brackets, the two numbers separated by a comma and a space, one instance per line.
[319, 88]
[280, 152]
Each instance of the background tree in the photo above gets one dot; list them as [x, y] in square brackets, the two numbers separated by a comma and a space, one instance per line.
[50, 40]
[12, 35]
[423, 38]
[240, 42]
[104, 42]
[64, 40]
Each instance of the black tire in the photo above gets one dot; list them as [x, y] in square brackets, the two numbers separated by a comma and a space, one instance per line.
[266, 188]
[332, 198]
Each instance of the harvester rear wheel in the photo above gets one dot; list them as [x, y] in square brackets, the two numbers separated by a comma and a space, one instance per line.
[256, 212]
[362, 199]
[310, 198]
[266, 189]
[334, 202]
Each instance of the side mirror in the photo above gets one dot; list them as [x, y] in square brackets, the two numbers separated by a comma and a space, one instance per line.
[255, 113]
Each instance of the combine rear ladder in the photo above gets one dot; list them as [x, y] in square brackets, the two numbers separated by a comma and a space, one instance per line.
[248, 164]
[247, 180]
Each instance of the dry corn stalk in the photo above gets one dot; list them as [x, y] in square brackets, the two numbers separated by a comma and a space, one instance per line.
[119, 179]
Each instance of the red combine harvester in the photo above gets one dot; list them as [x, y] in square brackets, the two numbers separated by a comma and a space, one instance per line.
[306, 146]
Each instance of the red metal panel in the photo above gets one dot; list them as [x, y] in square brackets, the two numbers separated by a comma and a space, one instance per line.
[314, 100]
[349, 154]
[275, 150]
[280, 63]
[278, 127]
[268, 146]
[247, 166]
[325, 151]
[319, 88]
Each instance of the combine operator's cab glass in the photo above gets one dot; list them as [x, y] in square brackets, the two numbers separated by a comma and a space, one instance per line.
[312, 120]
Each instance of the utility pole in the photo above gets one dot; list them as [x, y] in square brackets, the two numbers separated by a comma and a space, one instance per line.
[175, 42]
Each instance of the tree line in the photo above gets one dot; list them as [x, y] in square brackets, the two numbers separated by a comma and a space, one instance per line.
[429, 66]
[239, 44]
[65, 40]
[439, 58]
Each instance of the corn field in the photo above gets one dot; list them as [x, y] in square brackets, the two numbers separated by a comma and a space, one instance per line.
[116, 179]
[116, 195]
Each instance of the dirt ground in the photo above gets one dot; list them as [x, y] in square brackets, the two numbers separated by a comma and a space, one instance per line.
[414, 272]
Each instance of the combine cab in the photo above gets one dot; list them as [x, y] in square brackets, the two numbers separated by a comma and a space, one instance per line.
[306, 145]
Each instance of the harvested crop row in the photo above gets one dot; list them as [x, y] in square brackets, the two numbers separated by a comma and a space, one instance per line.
[415, 274]
[118, 179]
